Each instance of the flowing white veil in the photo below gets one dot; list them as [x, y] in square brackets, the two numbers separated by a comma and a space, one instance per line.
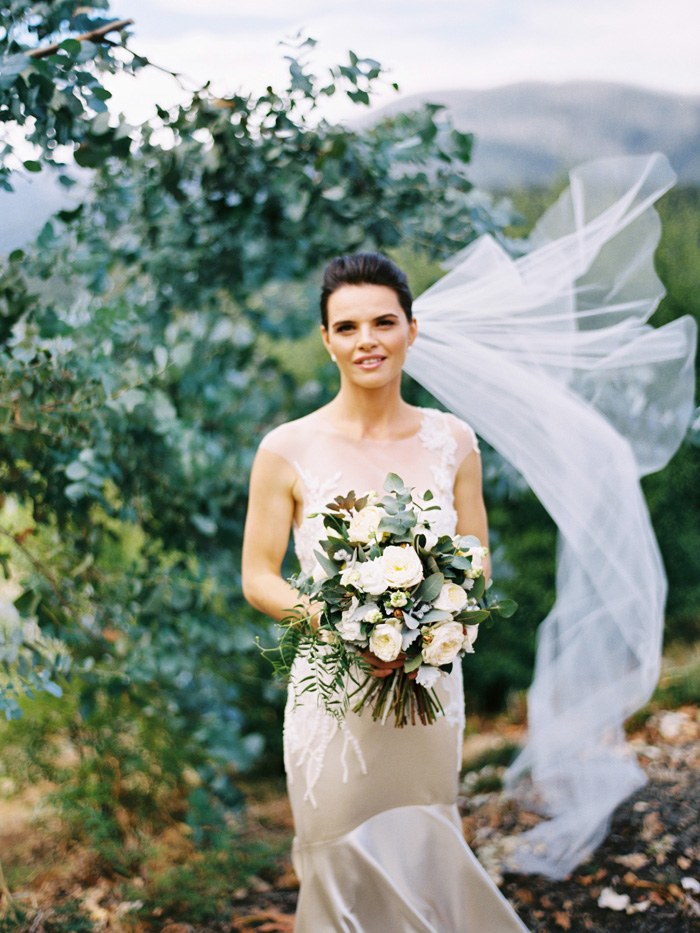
[550, 359]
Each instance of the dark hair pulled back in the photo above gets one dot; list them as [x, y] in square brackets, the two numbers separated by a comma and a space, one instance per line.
[365, 269]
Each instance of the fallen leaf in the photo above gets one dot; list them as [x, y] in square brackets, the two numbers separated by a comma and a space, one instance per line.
[634, 860]
[272, 922]
[562, 920]
[652, 827]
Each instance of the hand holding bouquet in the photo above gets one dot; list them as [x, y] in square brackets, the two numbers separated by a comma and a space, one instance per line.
[398, 606]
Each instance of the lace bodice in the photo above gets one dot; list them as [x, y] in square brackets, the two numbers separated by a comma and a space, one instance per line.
[329, 464]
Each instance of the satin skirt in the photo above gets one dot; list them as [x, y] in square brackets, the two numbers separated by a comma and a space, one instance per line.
[379, 844]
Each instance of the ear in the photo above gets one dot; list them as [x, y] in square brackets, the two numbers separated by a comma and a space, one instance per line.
[413, 331]
[324, 338]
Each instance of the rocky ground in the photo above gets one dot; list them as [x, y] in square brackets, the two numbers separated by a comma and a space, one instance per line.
[645, 877]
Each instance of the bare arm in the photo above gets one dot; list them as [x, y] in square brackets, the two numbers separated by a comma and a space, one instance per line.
[271, 506]
[469, 503]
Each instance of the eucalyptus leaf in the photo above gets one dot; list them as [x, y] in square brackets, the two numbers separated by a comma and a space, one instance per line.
[505, 608]
[430, 588]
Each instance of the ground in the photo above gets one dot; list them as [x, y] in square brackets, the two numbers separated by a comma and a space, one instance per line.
[645, 877]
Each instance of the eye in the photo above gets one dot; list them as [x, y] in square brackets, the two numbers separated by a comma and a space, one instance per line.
[344, 328]
[386, 322]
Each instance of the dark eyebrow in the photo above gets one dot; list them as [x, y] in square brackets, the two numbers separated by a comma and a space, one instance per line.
[379, 317]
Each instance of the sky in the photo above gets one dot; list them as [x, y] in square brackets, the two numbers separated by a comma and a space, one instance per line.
[426, 44]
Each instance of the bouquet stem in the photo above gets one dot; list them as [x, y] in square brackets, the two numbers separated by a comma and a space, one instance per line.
[398, 694]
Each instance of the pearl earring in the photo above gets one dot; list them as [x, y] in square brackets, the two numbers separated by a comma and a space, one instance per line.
[334, 358]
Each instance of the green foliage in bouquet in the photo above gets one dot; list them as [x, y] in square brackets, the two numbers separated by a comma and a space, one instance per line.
[389, 589]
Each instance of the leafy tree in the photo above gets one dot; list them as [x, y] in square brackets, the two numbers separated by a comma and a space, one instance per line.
[137, 379]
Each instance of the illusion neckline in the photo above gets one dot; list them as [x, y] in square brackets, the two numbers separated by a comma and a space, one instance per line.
[328, 429]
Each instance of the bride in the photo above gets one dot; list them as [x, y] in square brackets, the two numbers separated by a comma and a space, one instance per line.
[550, 357]
[379, 843]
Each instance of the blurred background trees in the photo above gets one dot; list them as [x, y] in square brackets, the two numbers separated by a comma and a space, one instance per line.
[148, 338]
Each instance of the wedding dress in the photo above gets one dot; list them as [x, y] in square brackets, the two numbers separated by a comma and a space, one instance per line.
[379, 844]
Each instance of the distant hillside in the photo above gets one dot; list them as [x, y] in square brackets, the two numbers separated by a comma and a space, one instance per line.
[529, 134]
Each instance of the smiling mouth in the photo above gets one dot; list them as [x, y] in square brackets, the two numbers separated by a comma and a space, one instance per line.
[370, 362]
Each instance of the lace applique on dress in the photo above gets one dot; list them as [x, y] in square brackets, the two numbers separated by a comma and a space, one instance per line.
[306, 740]
[436, 436]
[308, 734]
[317, 492]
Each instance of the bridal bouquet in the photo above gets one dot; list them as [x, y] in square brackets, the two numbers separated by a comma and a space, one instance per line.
[388, 589]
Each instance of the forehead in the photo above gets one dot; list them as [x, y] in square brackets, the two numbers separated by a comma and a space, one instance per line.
[362, 301]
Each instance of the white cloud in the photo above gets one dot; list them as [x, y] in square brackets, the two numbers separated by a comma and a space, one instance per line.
[450, 43]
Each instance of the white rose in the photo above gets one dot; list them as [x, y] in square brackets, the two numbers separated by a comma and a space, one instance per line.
[371, 577]
[477, 555]
[350, 627]
[363, 524]
[385, 641]
[443, 643]
[451, 598]
[402, 566]
[350, 576]
[470, 638]
[428, 676]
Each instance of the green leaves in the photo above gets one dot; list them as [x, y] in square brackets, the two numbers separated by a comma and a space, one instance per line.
[430, 587]
[57, 90]
[150, 337]
[505, 607]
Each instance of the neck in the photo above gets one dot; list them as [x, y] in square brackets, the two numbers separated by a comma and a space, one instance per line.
[369, 413]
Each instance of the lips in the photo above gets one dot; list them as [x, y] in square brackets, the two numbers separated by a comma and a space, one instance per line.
[369, 362]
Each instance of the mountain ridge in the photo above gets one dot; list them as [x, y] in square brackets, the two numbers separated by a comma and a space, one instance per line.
[531, 133]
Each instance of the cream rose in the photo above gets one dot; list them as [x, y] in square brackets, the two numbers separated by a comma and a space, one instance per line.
[385, 641]
[443, 643]
[451, 598]
[477, 555]
[350, 626]
[363, 525]
[402, 566]
[470, 638]
[371, 577]
[350, 576]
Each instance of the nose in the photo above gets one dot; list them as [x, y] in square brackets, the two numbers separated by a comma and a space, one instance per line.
[366, 336]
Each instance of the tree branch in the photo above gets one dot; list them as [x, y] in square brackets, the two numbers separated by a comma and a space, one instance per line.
[95, 36]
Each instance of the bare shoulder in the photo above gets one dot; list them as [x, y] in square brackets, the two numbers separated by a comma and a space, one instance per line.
[288, 440]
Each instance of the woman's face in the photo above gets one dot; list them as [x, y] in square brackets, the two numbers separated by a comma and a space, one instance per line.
[368, 333]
